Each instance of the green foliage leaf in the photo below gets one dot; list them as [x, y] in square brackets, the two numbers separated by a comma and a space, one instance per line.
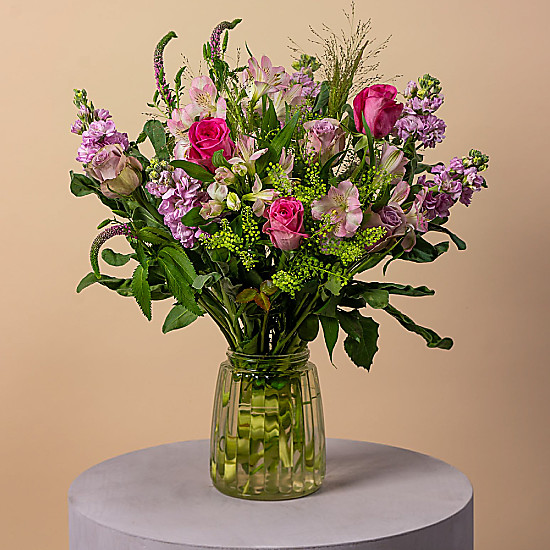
[194, 170]
[155, 132]
[115, 258]
[377, 298]
[361, 343]
[331, 327]
[192, 218]
[178, 283]
[309, 329]
[269, 118]
[321, 101]
[247, 295]
[141, 290]
[424, 252]
[180, 258]
[154, 235]
[433, 340]
[283, 138]
[178, 317]
[333, 284]
[394, 288]
[87, 281]
[81, 185]
[460, 244]
[262, 301]
[219, 160]
[207, 280]
[104, 223]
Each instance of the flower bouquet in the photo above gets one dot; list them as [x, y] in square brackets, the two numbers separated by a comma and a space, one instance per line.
[269, 192]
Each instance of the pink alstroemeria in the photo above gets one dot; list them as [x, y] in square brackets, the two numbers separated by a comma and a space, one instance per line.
[203, 94]
[260, 197]
[203, 104]
[246, 157]
[416, 220]
[343, 205]
[292, 96]
[393, 161]
[287, 161]
[262, 78]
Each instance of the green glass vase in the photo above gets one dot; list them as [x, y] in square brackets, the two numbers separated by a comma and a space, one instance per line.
[268, 434]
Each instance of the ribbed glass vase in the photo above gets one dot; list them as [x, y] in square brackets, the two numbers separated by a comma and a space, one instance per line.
[268, 434]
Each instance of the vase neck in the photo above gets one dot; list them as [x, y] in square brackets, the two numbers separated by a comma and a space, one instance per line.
[268, 363]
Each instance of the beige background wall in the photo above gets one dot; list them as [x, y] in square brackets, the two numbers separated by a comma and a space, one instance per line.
[84, 378]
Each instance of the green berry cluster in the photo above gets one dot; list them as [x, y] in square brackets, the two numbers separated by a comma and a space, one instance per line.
[279, 179]
[303, 268]
[372, 184]
[251, 231]
[228, 239]
[349, 251]
[156, 166]
[311, 187]
[476, 158]
[428, 85]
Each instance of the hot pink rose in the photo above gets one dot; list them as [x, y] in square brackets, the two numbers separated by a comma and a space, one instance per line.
[207, 136]
[381, 110]
[284, 225]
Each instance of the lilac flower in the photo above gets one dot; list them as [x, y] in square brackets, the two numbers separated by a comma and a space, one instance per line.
[343, 206]
[418, 120]
[177, 201]
[77, 127]
[102, 114]
[159, 186]
[438, 205]
[310, 88]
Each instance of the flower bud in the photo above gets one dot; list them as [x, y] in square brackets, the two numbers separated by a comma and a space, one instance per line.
[233, 202]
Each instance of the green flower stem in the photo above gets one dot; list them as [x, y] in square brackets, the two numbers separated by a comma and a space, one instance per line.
[281, 344]
[212, 306]
[140, 198]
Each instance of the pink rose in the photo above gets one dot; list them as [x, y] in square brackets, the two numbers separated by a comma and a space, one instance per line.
[285, 219]
[117, 173]
[207, 136]
[324, 138]
[380, 110]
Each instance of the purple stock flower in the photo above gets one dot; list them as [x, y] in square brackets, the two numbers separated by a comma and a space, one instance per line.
[185, 194]
[438, 205]
[309, 86]
[77, 127]
[102, 114]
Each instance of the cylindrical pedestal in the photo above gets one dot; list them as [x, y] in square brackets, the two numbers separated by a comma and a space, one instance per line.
[375, 497]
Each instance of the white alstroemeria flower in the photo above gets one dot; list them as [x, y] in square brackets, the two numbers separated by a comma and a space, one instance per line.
[260, 197]
[214, 207]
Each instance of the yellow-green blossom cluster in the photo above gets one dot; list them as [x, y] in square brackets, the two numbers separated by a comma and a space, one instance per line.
[279, 179]
[311, 187]
[228, 239]
[349, 251]
[251, 231]
[372, 184]
[304, 268]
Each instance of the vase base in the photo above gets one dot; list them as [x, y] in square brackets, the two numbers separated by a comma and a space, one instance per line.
[266, 496]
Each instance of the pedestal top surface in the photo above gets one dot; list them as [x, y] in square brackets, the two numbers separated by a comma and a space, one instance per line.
[372, 492]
